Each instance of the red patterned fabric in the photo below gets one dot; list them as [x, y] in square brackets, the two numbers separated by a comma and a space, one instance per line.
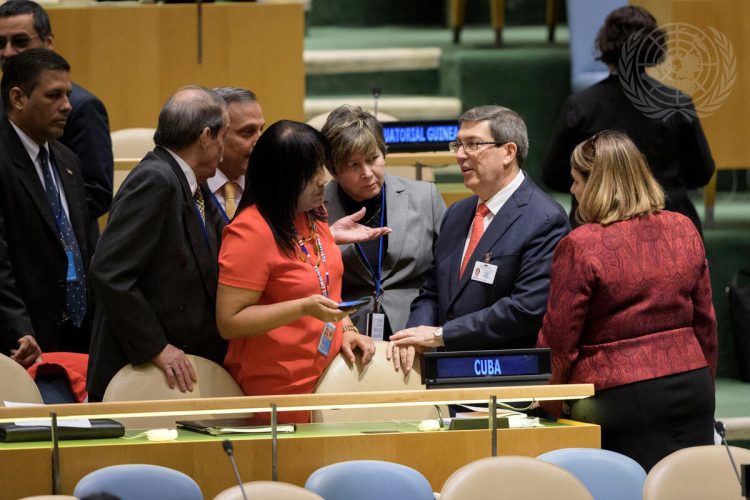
[477, 230]
[629, 302]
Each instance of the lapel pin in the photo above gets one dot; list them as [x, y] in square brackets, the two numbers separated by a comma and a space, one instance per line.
[69, 171]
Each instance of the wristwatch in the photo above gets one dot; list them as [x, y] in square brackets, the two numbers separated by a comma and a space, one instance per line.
[438, 334]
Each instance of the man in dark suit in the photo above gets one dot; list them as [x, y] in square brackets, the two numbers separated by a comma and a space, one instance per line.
[23, 25]
[489, 282]
[43, 215]
[155, 270]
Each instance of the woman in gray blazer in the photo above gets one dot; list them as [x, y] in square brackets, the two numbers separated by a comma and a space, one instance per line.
[388, 270]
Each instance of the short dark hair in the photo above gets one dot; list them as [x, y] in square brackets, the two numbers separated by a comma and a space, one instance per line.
[13, 8]
[24, 69]
[505, 126]
[186, 114]
[351, 130]
[236, 94]
[285, 159]
[623, 23]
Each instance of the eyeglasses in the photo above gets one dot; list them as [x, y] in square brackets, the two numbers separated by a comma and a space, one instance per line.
[470, 147]
[17, 41]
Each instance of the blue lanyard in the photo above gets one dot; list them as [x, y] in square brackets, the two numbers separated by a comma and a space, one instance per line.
[316, 267]
[376, 277]
[221, 209]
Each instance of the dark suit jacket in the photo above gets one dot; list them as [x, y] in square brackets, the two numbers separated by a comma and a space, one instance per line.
[87, 135]
[414, 211]
[33, 264]
[154, 273]
[507, 313]
[675, 147]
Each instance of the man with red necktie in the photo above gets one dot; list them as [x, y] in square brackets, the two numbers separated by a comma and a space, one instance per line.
[489, 282]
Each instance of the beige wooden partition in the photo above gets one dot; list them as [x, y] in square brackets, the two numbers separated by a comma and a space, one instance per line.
[134, 57]
[726, 127]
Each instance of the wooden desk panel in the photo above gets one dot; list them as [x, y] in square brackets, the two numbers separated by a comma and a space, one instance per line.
[133, 57]
[435, 454]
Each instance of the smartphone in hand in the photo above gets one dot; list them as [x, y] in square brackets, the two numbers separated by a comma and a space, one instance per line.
[351, 306]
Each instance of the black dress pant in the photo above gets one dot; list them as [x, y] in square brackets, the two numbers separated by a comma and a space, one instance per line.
[650, 419]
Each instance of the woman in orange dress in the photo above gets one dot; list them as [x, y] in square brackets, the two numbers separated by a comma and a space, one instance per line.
[280, 272]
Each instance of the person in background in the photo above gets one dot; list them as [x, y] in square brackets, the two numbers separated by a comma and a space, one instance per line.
[280, 272]
[246, 123]
[630, 308]
[24, 25]
[674, 144]
[508, 231]
[389, 270]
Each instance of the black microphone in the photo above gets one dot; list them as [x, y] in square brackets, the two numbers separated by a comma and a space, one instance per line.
[229, 449]
[376, 96]
[719, 426]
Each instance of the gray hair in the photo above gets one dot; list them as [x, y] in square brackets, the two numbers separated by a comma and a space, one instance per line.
[505, 126]
[184, 116]
[236, 94]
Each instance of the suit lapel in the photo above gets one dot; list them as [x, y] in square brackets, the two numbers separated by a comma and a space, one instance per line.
[205, 254]
[464, 218]
[28, 176]
[396, 205]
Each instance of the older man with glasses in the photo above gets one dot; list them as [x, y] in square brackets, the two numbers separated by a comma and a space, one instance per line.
[489, 282]
[25, 25]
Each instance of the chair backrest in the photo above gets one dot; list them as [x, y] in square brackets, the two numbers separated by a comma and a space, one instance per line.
[377, 375]
[17, 385]
[139, 482]
[585, 17]
[696, 473]
[606, 474]
[268, 489]
[132, 142]
[369, 480]
[513, 477]
[148, 382]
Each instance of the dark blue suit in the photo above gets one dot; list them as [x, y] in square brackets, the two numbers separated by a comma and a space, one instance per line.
[520, 241]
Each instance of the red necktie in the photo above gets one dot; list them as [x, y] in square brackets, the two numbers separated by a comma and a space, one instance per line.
[477, 229]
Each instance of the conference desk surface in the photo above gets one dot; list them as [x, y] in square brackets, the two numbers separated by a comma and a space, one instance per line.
[26, 468]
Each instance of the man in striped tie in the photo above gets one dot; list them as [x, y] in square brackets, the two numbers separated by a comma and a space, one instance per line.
[246, 123]
[489, 283]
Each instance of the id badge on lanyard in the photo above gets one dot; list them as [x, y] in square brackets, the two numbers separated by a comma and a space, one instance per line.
[326, 339]
[375, 320]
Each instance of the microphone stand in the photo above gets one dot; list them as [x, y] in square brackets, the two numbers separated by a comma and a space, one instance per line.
[743, 479]
[229, 449]
[376, 97]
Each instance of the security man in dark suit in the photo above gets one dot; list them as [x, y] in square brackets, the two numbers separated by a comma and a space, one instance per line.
[155, 270]
[24, 25]
[43, 214]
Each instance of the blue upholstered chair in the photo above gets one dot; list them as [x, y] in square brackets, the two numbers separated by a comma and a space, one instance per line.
[606, 474]
[139, 482]
[585, 17]
[369, 480]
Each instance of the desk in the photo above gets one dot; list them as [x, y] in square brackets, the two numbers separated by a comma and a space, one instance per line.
[313, 446]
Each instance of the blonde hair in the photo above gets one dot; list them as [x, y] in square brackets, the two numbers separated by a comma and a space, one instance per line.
[351, 130]
[619, 183]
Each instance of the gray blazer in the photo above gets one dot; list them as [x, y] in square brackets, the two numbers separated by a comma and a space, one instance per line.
[414, 211]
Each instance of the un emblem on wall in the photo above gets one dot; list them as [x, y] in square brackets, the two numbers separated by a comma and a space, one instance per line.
[700, 64]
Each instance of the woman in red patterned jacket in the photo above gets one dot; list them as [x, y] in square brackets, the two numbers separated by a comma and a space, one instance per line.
[630, 308]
